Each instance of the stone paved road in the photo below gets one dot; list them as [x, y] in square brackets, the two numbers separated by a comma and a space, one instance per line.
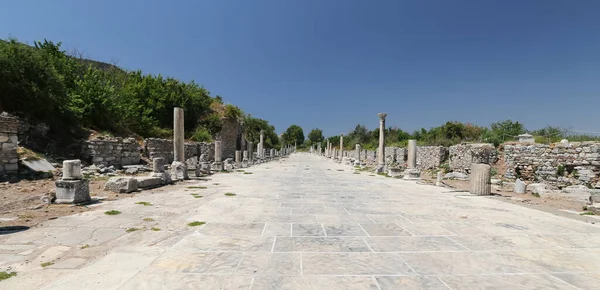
[307, 223]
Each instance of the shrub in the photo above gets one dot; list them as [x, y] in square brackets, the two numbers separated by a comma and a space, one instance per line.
[201, 135]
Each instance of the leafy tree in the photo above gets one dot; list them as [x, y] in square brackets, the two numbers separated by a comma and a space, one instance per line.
[503, 131]
[293, 135]
[316, 136]
[252, 128]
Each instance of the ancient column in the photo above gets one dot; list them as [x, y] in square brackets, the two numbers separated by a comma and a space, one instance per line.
[412, 172]
[261, 144]
[218, 164]
[250, 156]
[341, 147]
[178, 167]
[357, 162]
[71, 170]
[481, 179]
[238, 158]
[158, 165]
[72, 188]
[245, 158]
[178, 135]
[381, 149]
[412, 154]
[440, 177]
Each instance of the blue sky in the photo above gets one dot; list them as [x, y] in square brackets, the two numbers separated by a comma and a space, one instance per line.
[334, 64]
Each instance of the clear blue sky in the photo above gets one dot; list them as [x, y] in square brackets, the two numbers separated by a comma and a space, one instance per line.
[334, 64]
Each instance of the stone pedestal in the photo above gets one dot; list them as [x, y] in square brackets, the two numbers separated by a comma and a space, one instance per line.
[71, 170]
[158, 165]
[481, 179]
[412, 174]
[394, 172]
[72, 191]
[440, 176]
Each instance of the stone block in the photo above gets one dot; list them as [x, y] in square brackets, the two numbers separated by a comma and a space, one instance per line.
[72, 191]
[179, 170]
[151, 181]
[71, 169]
[412, 174]
[121, 184]
[3, 138]
[10, 167]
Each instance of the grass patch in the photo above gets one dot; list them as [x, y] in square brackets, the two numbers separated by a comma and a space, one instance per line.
[44, 265]
[248, 173]
[155, 229]
[112, 212]
[144, 203]
[85, 246]
[356, 172]
[225, 171]
[340, 170]
[28, 155]
[195, 195]
[148, 219]
[197, 187]
[536, 194]
[129, 230]
[230, 194]
[6, 275]
[587, 212]
[25, 216]
[240, 170]
[216, 184]
[196, 224]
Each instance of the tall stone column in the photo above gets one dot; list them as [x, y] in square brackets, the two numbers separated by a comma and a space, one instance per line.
[358, 159]
[178, 167]
[381, 149]
[250, 153]
[412, 172]
[341, 147]
[238, 158]
[480, 179]
[261, 144]
[218, 164]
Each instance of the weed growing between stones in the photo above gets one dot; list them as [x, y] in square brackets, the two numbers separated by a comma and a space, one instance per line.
[216, 183]
[148, 219]
[85, 246]
[44, 265]
[340, 170]
[197, 187]
[230, 194]
[536, 194]
[195, 195]
[248, 173]
[196, 224]
[584, 207]
[240, 170]
[6, 275]
[112, 212]
[129, 230]
[587, 212]
[144, 203]
[155, 229]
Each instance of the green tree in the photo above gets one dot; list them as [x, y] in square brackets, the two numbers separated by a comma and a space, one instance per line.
[503, 131]
[293, 135]
[316, 136]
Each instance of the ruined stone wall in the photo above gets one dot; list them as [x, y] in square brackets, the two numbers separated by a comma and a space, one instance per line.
[117, 152]
[559, 164]
[429, 157]
[232, 136]
[9, 159]
[462, 155]
[155, 147]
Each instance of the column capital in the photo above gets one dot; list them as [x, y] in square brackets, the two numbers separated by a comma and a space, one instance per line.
[382, 116]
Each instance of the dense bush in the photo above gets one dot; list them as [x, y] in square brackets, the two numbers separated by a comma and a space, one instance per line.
[44, 84]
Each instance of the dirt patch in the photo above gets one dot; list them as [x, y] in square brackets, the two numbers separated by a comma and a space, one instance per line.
[21, 205]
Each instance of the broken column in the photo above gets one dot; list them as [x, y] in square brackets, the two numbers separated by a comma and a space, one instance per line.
[261, 144]
[357, 161]
[72, 188]
[481, 179]
[250, 157]
[178, 167]
[238, 158]
[218, 164]
[245, 158]
[411, 171]
[272, 153]
[381, 149]
[341, 147]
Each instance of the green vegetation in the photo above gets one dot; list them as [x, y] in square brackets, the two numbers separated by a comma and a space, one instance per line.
[112, 212]
[129, 230]
[587, 213]
[195, 195]
[253, 126]
[316, 136]
[560, 170]
[148, 219]
[44, 84]
[144, 203]
[85, 246]
[230, 194]
[536, 194]
[5, 275]
[293, 135]
[197, 187]
[155, 229]
[196, 223]
[46, 264]
[248, 172]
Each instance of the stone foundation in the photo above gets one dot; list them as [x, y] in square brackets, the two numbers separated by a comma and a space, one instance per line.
[9, 159]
